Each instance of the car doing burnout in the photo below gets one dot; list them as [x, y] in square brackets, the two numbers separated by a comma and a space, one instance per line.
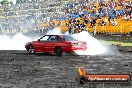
[56, 44]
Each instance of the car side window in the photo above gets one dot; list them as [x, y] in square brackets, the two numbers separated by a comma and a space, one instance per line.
[45, 38]
[54, 38]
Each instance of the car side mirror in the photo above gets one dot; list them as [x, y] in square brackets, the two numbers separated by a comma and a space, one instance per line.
[38, 40]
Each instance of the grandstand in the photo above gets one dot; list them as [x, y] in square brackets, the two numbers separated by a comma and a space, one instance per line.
[26, 16]
[113, 18]
[69, 15]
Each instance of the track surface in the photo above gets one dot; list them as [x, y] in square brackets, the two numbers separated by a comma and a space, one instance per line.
[18, 69]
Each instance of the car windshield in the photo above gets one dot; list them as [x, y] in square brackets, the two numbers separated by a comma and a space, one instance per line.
[68, 38]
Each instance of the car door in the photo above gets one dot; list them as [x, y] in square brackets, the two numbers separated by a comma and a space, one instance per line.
[41, 44]
[52, 42]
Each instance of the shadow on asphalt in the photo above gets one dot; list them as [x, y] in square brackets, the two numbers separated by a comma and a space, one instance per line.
[46, 54]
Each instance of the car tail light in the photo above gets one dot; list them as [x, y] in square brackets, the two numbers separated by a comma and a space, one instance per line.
[78, 43]
[74, 44]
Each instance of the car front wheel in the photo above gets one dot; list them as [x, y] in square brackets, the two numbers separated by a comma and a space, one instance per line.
[31, 50]
[58, 51]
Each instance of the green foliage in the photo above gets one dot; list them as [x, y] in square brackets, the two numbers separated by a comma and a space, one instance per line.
[128, 43]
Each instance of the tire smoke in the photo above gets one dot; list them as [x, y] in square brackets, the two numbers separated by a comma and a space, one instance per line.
[55, 31]
[94, 47]
[16, 42]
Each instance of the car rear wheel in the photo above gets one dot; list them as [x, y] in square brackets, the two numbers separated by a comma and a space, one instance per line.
[58, 51]
[31, 50]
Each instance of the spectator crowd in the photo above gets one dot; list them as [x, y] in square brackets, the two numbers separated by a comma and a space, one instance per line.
[98, 14]
[78, 14]
[24, 16]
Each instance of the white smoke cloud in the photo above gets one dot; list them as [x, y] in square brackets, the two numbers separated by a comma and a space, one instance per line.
[16, 42]
[55, 31]
[94, 47]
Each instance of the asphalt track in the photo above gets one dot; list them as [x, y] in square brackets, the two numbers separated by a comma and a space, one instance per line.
[18, 69]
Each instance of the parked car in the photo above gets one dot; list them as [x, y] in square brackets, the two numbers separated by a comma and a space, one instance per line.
[56, 44]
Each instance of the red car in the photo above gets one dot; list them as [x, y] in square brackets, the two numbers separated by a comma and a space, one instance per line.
[56, 44]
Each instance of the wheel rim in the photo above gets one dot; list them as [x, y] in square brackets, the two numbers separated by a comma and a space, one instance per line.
[31, 50]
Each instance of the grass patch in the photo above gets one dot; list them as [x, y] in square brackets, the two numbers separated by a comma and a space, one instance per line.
[124, 43]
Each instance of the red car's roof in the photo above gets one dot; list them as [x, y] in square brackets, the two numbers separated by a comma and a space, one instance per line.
[56, 34]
